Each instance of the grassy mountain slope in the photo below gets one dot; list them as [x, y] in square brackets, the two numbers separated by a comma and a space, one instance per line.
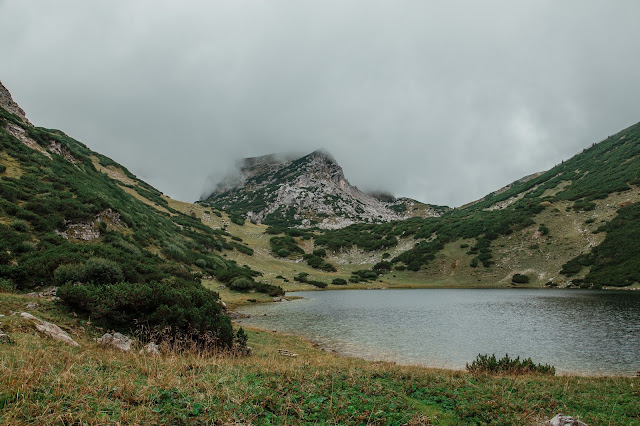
[70, 215]
[577, 222]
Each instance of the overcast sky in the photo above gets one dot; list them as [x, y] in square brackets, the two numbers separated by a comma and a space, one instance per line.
[439, 101]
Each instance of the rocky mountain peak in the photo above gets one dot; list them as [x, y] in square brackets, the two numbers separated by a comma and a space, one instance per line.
[7, 102]
[310, 190]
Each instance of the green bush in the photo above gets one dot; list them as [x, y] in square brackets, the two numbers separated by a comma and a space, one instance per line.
[201, 263]
[280, 245]
[382, 266]
[320, 252]
[177, 308]
[301, 277]
[544, 230]
[68, 273]
[318, 284]
[315, 261]
[271, 290]
[96, 270]
[102, 271]
[174, 252]
[20, 226]
[6, 286]
[485, 364]
[339, 281]
[520, 279]
[242, 284]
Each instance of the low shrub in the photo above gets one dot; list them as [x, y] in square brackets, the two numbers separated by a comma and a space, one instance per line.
[174, 309]
[339, 281]
[242, 284]
[6, 286]
[301, 277]
[318, 284]
[102, 271]
[485, 364]
[383, 266]
[320, 252]
[20, 226]
[96, 270]
[520, 279]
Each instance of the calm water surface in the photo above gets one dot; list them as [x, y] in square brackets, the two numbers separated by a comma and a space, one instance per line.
[578, 331]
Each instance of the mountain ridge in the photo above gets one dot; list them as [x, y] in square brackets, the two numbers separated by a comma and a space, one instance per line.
[307, 191]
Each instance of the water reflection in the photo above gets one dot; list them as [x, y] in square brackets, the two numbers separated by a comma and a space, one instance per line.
[578, 331]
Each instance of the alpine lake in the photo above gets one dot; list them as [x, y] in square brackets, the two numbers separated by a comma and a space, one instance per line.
[583, 332]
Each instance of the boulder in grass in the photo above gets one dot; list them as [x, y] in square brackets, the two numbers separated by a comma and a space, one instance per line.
[150, 349]
[50, 329]
[117, 341]
[561, 420]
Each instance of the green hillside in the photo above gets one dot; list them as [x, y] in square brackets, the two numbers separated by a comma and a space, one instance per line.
[74, 218]
[581, 215]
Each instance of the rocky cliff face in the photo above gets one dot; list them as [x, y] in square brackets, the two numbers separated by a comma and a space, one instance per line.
[307, 191]
[7, 102]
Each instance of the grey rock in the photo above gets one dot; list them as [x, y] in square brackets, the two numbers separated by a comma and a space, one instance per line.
[150, 349]
[311, 186]
[117, 341]
[50, 329]
[7, 102]
[562, 420]
[4, 337]
[31, 305]
[47, 292]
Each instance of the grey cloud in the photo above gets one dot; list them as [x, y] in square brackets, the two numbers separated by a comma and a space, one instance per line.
[443, 102]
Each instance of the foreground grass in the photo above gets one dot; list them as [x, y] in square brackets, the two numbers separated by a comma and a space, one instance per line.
[45, 382]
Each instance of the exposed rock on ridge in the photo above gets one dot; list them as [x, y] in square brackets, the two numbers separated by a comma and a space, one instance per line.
[307, 191]
[7, 102]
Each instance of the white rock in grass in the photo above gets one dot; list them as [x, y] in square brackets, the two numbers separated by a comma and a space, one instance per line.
[117, 340]
[50, 329]
[561, 420]
[150, 349]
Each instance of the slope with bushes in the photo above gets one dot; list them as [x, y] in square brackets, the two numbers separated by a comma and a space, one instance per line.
[574, 223]
[72, 217]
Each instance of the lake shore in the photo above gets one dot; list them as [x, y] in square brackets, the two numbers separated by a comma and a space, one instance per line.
[46, 382]
[542, 314]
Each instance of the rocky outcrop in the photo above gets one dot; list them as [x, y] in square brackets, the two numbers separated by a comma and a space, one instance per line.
[7, 102]
[561, 420]
[58, 149]
[116, 341]
[89, 231]
[86, 231]
[45, 293]
[50, 329]
[307, 191]
[21, 134]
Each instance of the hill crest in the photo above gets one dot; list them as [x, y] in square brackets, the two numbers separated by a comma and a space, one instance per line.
[309, 190]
